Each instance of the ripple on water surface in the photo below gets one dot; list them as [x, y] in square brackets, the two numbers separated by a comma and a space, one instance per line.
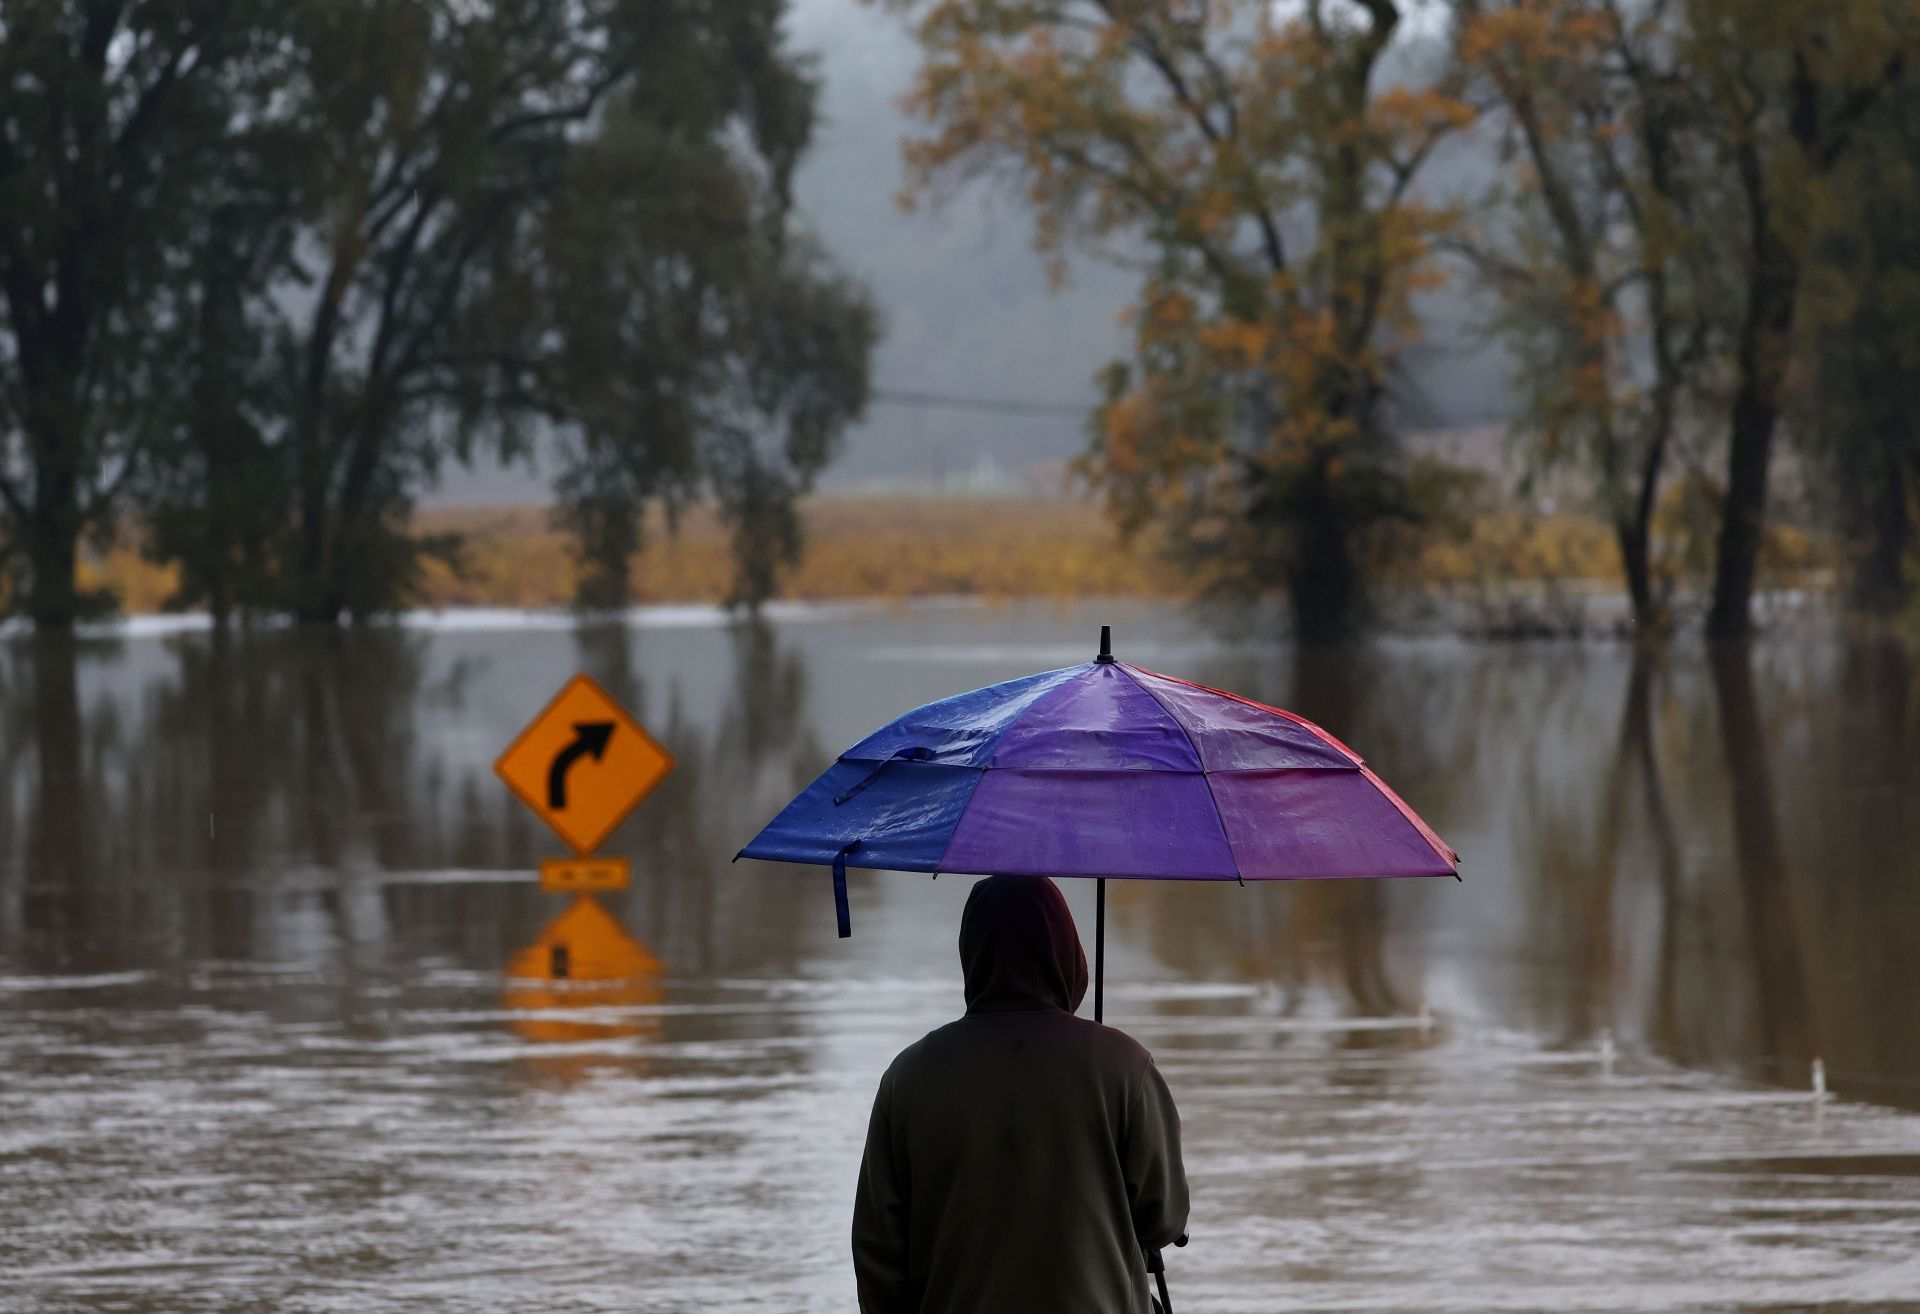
[183, 1148]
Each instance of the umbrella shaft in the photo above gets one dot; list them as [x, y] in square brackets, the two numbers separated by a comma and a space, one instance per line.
[1099, 950]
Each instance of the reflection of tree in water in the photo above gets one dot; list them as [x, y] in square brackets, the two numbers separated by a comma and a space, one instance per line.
[265, 754]
[302, 745]
[57, 826]
[1721, 881]
[1728, 983]
[1848, 770]
[1592, 812]
[1638, 745]
[1710, 968]
[1761, 860]
[185, 800]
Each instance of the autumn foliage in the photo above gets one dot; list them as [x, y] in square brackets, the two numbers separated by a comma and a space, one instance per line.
[1257, 164]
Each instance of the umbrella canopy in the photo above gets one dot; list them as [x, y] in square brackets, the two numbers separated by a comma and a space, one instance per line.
[1103, 770]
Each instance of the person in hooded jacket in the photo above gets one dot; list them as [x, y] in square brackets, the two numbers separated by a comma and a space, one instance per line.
[1021, 1159]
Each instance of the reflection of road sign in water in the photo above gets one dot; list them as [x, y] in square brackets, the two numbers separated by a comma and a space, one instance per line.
[583, 944]
[582, 764]
[571, 875]
[574, 980]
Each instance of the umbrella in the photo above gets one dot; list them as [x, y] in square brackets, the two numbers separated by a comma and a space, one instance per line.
[1103, 770]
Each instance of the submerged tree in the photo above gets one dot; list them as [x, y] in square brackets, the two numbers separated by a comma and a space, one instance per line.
[1788, 88]
[1684, 157]
[115, 119]
[705, 346]
[1604, 268]
[212, 487]
[461, 230]
[1857, 421]
[436, 134]
[1263, 160]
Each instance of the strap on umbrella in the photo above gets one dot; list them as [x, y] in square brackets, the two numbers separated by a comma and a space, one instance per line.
[841, 912]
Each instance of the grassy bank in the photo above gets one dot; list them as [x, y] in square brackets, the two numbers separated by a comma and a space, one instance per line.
[857, 547]
[908, 547]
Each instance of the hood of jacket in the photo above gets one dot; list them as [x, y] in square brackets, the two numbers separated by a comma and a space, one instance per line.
[1019, 950]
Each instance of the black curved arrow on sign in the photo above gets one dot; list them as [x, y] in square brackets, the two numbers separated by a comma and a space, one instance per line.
[589, 737]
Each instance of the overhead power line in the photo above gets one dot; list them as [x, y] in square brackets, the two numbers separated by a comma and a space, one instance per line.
[992, 405]
[939, 401]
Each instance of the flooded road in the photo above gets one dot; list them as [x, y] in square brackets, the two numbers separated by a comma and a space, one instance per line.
[273, 1033]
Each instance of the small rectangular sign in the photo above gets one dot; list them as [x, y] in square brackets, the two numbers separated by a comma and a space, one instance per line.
[572, 875]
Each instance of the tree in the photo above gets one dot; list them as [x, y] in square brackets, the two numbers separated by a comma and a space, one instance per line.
[1786, 88]
[1605, 270]
[211, 488]
[432, 134]
[1250, 160]
[705, 346]
[537, 222]
[1857, 421]
[114, 116]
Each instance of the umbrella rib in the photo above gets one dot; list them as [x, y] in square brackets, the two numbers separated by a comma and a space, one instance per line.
[1185, 734]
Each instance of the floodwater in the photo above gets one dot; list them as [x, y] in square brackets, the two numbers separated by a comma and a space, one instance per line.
[274, 1033]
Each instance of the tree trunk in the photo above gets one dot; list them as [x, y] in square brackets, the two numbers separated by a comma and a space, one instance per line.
[1631, 535]
[606, 533]
[308, 600]
[1634, 529]
[1762, 371]
[1324, 579]
[52, 533]
[1879, 583]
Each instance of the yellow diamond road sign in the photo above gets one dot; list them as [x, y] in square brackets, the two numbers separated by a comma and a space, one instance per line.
[582, 764]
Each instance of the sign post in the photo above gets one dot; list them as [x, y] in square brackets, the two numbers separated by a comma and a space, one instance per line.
[582, 765]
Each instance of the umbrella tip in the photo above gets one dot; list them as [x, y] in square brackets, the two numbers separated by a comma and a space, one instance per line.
[1106, 645]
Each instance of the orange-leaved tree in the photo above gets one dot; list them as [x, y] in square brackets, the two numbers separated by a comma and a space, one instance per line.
[1258, 163]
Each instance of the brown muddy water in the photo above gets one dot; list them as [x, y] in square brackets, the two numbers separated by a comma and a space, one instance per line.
[268, 1041]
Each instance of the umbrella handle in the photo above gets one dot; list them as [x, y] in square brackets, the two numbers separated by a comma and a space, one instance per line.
[1158, 1267]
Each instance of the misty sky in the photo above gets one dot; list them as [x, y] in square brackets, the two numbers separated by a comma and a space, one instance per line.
[966, 307]
[966, 304]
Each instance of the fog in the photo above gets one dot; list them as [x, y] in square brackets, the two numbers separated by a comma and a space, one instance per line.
[967, 308]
